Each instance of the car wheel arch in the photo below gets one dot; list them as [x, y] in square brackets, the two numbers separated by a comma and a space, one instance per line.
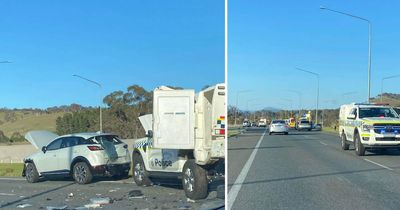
[77, 160]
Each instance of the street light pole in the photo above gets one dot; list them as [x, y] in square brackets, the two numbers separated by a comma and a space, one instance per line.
[390, 77]
[317, 75]
[369, 44]
[99, 85]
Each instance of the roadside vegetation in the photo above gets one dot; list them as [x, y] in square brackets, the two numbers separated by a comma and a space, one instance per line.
[121, 110]
[330, 116]
[11, 169]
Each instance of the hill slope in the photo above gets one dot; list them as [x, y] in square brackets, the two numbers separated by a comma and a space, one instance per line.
[22, 121]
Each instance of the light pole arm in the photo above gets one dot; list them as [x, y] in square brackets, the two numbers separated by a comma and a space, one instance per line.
[99, 85]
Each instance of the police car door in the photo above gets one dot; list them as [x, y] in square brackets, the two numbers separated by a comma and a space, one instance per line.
[350, 124]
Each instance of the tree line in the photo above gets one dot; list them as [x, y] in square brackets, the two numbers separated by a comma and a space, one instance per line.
[120, 114]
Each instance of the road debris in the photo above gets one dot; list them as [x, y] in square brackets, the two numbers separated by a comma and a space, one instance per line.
[24, 205]
[184, 206]
[101, 201]
[135, 194]
[56, 207]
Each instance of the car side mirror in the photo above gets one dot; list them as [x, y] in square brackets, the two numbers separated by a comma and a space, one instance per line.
[44, 149]
[351, 117]
[149, 134]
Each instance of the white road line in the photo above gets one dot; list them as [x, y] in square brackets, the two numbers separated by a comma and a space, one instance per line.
[323, 143]
[242, 176]
[383, 166]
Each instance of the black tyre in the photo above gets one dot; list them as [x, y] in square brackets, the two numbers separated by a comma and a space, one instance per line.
[81, 173]
[345, 145]
[140, 175]
[194, 180]
[31, 173]
[286, 133]
[360, 149]
[270, 133]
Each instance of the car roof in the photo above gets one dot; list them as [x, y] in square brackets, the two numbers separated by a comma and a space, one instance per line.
[87, 135]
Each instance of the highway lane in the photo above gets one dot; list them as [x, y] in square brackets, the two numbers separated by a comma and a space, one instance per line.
[308, 170]
[59, 193]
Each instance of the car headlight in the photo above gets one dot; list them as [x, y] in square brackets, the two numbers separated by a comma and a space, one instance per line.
[367, 127]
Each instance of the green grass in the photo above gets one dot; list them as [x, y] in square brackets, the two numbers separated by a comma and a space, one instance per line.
[11, 169]
[233, 131]
[27, 121]
[329, 130]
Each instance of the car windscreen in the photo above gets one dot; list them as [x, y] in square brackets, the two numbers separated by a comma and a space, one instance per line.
[304, 122]
[377, 112]
[278, 122]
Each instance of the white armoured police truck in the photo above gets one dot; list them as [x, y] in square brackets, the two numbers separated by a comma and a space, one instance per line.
[185, 139]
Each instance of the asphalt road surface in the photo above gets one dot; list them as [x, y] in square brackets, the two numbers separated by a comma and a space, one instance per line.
[124, 194]
[308, 170]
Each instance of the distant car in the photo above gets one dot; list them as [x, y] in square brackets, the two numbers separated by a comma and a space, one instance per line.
[246, 123]
[253, 124]
[81, 156]
[317, 127]
[278, 126]
[262, 122]
[303, 125]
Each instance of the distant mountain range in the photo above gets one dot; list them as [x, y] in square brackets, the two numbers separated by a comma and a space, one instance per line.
[272, 109]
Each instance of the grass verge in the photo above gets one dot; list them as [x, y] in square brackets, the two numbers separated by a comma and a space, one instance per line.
[329, 130]
[11, 169]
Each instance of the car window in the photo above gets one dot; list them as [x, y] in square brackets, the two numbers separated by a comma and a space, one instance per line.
[278, 121]
[304, 121]
[110, 138]
[55, 144]
[71, 141]
[377, 112]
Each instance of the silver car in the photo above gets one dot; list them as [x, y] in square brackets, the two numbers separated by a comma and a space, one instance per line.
[278, 126]
[304, 125]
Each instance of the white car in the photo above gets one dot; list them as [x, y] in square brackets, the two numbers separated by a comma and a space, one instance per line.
[81, 156]
[278, 126]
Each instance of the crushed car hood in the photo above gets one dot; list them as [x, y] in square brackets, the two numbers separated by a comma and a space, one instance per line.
[40, 138]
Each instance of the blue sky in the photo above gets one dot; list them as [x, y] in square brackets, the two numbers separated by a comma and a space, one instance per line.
[268, 39]
[117, 43]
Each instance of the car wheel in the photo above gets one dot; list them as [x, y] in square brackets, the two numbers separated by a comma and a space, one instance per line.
[345, 145]
[286, 133]
[360, 149]
[140, 174]
[194, 180]
[81, 173]
[31, 173]
[270, 133]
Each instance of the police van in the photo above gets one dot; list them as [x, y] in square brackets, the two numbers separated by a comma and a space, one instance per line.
[185, 139]
[368, 126]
